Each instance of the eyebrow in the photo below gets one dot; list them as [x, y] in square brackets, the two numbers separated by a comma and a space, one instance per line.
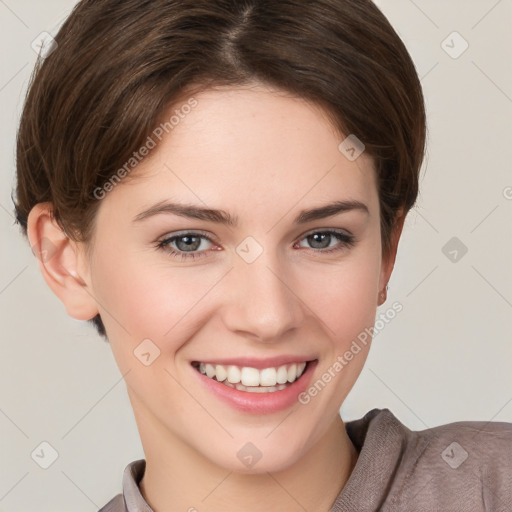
[223, 217]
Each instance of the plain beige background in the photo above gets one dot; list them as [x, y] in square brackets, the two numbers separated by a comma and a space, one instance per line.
[446, 357]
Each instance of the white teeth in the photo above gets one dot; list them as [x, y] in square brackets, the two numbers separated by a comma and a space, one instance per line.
[292, 372]
[263, 389]
[282, 375]
[210, 370]
[250, 376]
[234, 374]
[221, 373]
[251, 379]
[268, 377]
[256, 389]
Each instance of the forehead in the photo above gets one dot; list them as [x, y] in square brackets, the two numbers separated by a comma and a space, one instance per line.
[253, 148]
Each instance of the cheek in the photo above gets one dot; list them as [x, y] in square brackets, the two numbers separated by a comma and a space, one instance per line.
[148, 308]
[139, 298]
[345, 298]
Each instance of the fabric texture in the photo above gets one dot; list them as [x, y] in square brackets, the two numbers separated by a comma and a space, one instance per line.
[458, 467]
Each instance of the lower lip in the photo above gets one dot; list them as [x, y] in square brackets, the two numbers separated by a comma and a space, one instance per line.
[260, 403]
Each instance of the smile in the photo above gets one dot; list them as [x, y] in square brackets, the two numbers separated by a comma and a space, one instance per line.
[251, 379]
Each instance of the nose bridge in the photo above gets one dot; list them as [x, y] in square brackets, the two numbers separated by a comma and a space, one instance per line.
[263, 304]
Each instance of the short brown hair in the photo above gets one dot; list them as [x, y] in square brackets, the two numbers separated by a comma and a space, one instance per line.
[120, 64]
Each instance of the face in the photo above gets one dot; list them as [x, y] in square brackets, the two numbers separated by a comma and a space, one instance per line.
[274, 287]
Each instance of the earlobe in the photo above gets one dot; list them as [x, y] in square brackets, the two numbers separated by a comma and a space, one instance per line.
[58, 260]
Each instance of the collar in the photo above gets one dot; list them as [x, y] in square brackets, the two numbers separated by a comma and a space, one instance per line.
[379, 438]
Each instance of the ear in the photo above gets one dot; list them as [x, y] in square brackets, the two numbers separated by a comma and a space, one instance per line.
[59, 259]
[388, 261]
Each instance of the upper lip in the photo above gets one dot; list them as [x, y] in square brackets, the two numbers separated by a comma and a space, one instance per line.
[269, 362]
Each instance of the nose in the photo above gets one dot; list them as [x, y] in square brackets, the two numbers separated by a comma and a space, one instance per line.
[260, 301]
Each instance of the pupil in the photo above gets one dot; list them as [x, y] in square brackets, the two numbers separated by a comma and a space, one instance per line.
[323, 237]
[190, 243]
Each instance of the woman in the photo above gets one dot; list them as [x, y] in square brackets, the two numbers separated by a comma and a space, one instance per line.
[221, 187]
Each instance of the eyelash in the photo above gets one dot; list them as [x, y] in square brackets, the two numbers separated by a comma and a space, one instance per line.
[346, 241]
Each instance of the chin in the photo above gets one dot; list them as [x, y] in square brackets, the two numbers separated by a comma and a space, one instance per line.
[257, 457]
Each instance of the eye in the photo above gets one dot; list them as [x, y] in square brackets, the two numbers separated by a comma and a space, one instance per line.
[185, 245]
[321, 240]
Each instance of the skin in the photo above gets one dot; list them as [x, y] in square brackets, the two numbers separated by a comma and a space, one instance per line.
[263, 156]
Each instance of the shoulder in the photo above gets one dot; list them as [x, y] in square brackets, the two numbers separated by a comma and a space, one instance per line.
[485, 441]
[116, 504]
[475, 447]
[466, 465]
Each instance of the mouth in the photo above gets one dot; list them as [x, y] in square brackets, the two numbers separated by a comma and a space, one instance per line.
[253, 380]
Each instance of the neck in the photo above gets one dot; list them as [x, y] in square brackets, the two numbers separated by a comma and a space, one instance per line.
[178, 478]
